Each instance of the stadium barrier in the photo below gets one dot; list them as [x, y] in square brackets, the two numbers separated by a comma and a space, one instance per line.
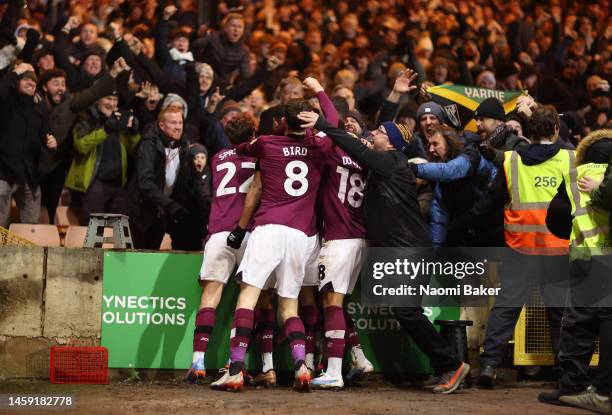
[532, 336]
[51, 296]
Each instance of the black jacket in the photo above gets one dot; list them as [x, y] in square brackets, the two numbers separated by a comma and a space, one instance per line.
[223, 56]
[147, 201]
[198, 102]
[173, 69]
[77, 78]
[62, 118]
[22, 136]
[391, 209]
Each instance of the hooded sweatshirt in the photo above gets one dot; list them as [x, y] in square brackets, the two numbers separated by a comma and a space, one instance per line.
[175, 98]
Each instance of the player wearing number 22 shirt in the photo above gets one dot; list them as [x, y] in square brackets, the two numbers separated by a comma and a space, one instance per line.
[231, 178]
[232, 175]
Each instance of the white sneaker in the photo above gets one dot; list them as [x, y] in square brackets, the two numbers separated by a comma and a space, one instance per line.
[229, 382]
[360, 366]
[325, 381]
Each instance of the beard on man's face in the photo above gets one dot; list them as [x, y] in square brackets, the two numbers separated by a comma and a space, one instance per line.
[57, 97]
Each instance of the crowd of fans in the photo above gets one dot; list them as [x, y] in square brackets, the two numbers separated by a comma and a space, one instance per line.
[94, 91]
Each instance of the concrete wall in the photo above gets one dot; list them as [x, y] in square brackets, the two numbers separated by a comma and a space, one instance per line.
[47, 296]
[21, 291]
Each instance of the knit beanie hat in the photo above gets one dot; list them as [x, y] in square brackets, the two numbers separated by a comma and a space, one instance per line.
[28, 74]
[229, 106]
[491, 108]
[408, 110]
[172, 98]
[204, 69]
[433, 108]
[92, 50]
[356, 115]
[595, 147]
[197, 148]
[398, 134]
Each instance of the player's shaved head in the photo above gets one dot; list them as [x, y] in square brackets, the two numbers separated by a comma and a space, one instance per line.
[291, 110]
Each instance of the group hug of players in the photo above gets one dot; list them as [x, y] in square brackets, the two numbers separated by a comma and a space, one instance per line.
[287, 212]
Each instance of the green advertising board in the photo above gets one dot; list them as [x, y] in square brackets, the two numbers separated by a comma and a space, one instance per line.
[148, 315]
[148, 308]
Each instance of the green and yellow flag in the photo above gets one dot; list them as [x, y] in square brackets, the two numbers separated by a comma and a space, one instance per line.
[460, 102]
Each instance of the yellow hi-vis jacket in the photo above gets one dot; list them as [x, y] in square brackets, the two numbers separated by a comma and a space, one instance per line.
[590, 233]
[531, 188]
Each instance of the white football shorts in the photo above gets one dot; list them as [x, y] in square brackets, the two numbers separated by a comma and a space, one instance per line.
[219, 259]
[276, 256]
[340, 264]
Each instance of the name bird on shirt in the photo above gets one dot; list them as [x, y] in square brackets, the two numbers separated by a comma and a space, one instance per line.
[294, 151]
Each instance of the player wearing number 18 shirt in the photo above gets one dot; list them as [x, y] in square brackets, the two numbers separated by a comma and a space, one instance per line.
[232, 175]
[290, 168]
[340, 258]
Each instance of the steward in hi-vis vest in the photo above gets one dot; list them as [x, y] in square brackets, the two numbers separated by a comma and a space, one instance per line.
[523, 189]
[590, 233]
[531, 188]
[585, 220]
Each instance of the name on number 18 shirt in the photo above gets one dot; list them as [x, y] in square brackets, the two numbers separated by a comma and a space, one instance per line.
[291, 169]
[341, 196]
[232, 175]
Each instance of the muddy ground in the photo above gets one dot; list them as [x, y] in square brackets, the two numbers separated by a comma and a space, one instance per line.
[373, 397]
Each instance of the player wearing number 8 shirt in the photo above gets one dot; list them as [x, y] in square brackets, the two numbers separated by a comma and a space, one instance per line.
[290, 168]
[232, 175]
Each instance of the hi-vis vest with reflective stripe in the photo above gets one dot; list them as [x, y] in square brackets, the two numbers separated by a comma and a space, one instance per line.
[531, 188]
[591, 227]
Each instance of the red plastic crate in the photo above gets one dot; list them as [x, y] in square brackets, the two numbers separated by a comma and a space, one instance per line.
[80, 365]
